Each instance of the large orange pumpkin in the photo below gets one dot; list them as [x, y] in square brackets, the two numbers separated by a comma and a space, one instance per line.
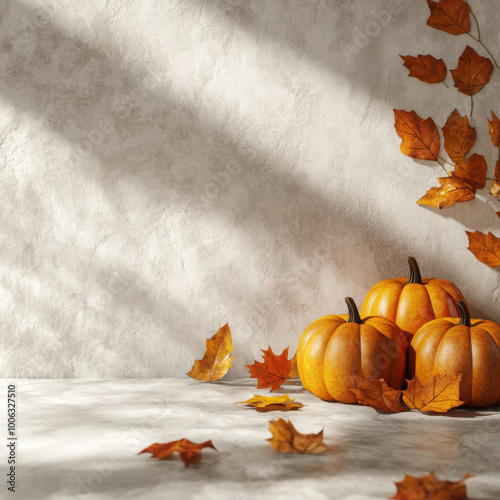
[450, 346]
[412, 302]
[334, 348]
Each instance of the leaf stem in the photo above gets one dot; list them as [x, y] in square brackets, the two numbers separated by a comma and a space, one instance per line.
[442, 166]
[478, 39]
[445, 85]
[471, 105]
[446, 161]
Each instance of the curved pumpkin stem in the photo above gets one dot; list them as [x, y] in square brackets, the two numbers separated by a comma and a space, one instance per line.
[415, 276]
[464, 314]
[354, 316]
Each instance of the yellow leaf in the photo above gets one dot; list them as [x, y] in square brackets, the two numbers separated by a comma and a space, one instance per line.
[216, 361]
[269, 403]
[442, 394]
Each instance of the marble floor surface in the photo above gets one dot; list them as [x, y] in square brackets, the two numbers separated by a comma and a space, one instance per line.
[79, 439]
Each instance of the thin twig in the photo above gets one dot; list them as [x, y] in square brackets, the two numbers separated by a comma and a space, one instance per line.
[445, 85]
[478, 39]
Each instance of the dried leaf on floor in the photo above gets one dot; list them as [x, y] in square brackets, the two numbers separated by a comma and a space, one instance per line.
[217, 360]
[190, 452]
[376, 394]
[272, 403]
[442, 394]
[288, 440]
[430, 488]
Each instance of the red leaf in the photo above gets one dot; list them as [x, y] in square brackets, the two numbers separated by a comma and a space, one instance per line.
[427, 69]
[190, 452]
[472, 73]
[273, 371]
[473, 171]
[420, 137]
[451, 16]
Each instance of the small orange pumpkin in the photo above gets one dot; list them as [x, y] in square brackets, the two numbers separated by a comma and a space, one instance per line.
[450, 346]
[333, 348]
[412, 302]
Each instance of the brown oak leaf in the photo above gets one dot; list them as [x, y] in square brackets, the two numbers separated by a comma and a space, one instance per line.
[430, 488]
[451, 16]
[272, 403]
[485, 247]
[459, 137]
[377, 394]
[473, 171]
[216, 360]
[452, 190]
[420, 138]
[494, 128]
[427, 68]
[442, 394]
[472, 73]
[288, 440]
[190, 452]
[273, 371]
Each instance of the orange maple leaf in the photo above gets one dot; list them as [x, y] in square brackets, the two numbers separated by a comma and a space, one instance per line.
[273, 371]
[452, 190]
[190, 452]
[451, 16]
[427, 69]
[377, 394]
[494, 128]
[473, 171]
[459, 137]
[288, 440]
[420, 138]
[440, 395]
[472, 73]
[485, 247]
[216, 360]
[430, 488]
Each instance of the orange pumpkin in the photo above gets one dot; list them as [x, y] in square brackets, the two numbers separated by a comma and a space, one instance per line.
[334, 348]
[449, 346]
[412, 302]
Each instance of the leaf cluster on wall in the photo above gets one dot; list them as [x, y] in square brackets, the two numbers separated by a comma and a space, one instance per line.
[463, 174]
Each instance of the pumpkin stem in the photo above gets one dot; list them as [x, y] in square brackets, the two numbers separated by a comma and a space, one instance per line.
[415, 276]
[354, 316]
[464, 314]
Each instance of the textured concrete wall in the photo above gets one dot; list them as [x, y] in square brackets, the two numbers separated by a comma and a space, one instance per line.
[168, 166]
